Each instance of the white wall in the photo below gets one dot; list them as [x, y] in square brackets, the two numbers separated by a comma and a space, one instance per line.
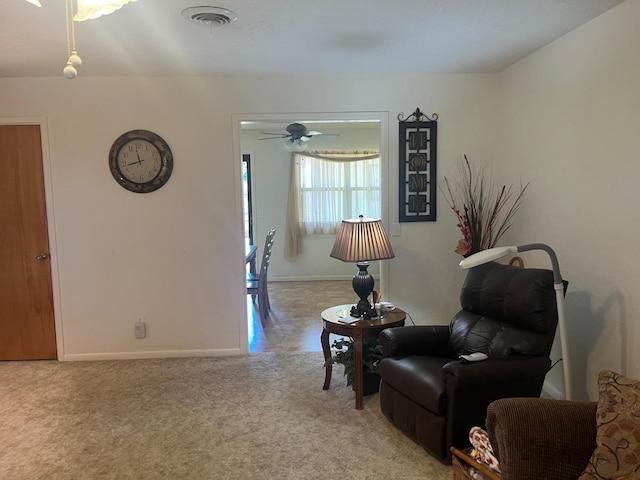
[176, 255]
[572, 127]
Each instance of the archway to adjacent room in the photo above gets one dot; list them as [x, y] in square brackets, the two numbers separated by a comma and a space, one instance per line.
[270, 161]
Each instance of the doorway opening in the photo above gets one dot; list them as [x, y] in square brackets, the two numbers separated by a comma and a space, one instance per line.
[266, 183]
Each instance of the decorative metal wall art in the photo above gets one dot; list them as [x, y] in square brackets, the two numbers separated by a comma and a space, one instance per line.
[418, 153]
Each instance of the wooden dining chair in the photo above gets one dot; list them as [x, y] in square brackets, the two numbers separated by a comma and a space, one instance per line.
[257, 283]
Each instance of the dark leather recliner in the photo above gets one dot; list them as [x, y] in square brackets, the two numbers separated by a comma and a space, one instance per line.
[508, 313]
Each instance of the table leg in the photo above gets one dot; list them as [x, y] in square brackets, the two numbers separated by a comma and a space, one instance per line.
[324, 340]
[357, 358]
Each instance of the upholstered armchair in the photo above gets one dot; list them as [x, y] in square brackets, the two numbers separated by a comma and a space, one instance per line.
[434, 397]
[537, 438]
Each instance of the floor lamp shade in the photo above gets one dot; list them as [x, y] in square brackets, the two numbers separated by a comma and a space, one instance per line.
[359, 241]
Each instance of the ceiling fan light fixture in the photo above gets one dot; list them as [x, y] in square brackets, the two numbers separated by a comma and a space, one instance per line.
[90, 9]
[297, 145]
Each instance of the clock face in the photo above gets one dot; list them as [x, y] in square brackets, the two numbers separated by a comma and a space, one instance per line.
[140, 161]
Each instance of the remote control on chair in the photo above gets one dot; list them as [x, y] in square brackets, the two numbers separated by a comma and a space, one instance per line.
[473, 357]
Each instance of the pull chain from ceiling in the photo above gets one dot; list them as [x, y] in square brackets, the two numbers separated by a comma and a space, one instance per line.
[74, 60]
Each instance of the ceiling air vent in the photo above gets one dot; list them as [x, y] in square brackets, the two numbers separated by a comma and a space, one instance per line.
[209, 16]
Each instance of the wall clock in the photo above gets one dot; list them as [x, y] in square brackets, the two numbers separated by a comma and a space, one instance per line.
[140, 161]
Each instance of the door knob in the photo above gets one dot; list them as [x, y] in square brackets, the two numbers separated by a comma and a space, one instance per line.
[41, 257]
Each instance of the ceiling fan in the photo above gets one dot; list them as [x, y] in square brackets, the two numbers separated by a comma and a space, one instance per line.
[297, 135]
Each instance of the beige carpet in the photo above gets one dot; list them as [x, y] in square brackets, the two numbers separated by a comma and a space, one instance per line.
[255, 417]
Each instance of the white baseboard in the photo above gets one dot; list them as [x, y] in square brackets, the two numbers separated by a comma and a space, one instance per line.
[316, 278]
[83, 357]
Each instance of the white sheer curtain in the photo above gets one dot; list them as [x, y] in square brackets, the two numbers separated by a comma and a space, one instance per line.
[326, 187]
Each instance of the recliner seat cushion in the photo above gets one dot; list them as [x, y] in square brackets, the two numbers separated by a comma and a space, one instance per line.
[419, 378]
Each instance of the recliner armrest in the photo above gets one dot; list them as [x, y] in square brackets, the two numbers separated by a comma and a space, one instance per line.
[496, 370]
[415, 340]
[538, 438]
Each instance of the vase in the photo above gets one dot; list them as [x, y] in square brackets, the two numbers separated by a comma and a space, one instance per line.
[370, 384]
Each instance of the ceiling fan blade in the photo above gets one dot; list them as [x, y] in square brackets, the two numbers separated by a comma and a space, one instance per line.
[297, 131]
[274, 135]
[318, 134]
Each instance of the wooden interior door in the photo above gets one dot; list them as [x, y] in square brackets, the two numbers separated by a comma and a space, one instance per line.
[27, 326]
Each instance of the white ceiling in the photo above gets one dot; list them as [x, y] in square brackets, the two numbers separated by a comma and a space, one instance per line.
[151, 37]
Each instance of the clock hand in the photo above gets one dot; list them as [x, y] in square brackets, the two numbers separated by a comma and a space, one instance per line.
[133, 163]
[139, 162]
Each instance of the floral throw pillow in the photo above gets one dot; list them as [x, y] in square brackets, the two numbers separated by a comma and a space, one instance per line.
[617, 453]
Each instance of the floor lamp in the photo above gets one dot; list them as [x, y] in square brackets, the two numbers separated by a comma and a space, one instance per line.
[491, 254]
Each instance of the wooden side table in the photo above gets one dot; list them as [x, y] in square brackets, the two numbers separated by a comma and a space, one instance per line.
[334, 320]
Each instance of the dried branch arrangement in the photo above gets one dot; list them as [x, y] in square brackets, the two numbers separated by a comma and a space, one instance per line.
[484, 209]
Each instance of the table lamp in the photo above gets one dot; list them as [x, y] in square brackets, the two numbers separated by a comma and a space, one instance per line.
[491, 254]
[359, 241]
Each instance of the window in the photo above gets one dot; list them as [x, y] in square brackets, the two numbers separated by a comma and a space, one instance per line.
[332, 187]
[325, 188]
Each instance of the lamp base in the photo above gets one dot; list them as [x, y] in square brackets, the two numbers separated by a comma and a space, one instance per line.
[365, 311]
[363, 286]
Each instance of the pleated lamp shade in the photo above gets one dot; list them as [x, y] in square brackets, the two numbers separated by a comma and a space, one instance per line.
[361, 240]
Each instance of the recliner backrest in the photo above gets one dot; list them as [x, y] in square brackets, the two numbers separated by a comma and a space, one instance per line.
[506, 310]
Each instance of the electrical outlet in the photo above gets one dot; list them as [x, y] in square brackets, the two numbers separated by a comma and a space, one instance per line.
[395, 229]
[140, 328]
